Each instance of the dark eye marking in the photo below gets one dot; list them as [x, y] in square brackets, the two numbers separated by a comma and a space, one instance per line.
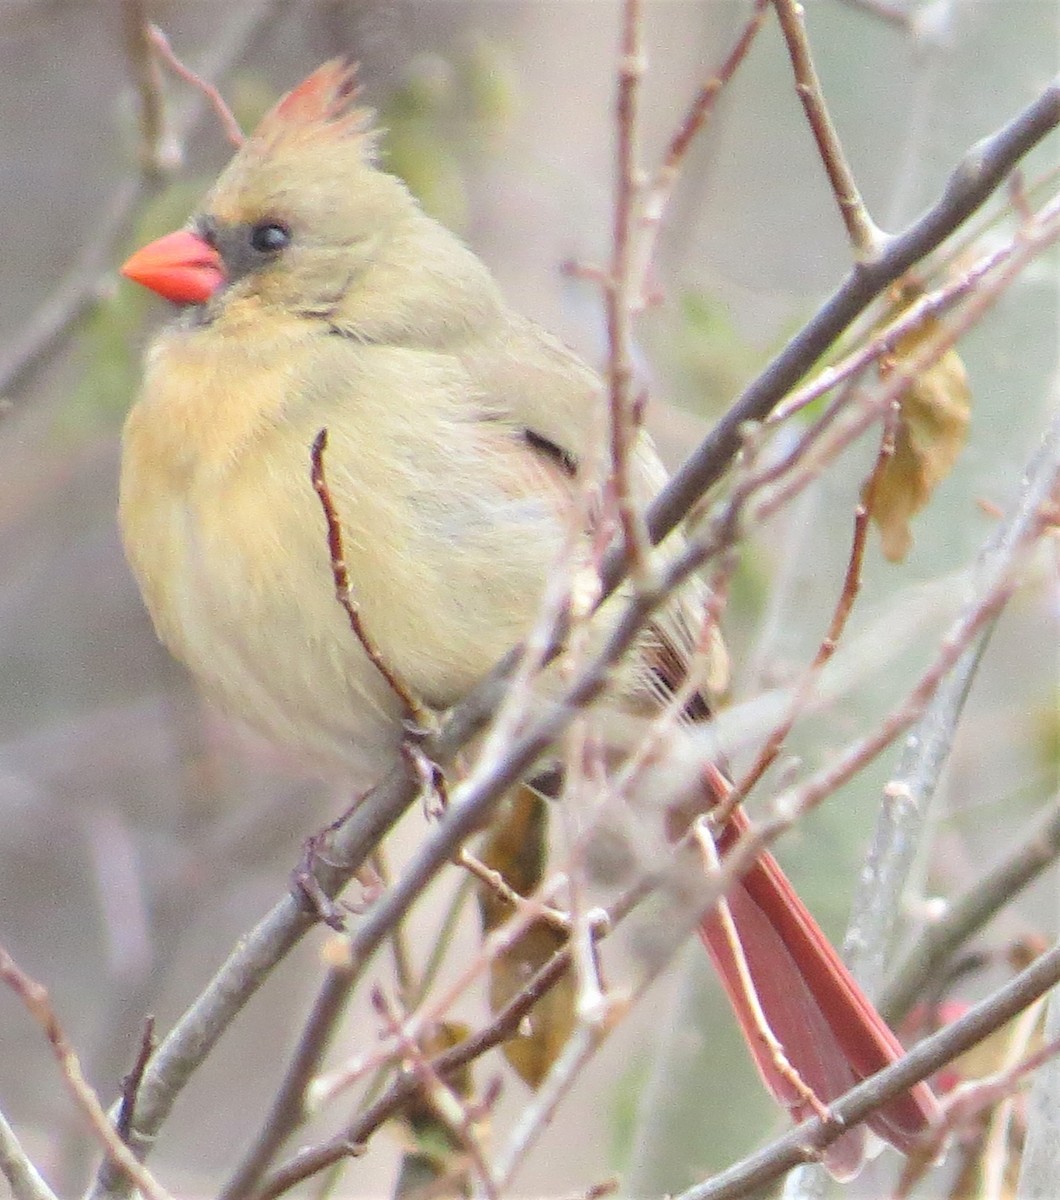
[549, 449]
[269, 237]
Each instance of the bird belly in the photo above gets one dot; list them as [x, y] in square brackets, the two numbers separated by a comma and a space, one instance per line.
[243, 596]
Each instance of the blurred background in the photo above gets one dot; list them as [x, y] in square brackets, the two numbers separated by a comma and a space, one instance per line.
[140, 832]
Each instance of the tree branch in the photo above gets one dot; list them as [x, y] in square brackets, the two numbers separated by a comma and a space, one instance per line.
[968, 913]
[804, 1143]
[37, 1002]
[22, 1176]
[865, 239]
[908, 795]
[198, 1031]
[92, 273]
[970, 185]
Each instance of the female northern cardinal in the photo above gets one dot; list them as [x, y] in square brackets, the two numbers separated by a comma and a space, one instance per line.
[316, 294]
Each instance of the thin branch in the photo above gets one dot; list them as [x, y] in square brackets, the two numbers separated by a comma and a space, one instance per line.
[968, 913]
[658, 192]
[866, 240]
[503, 1025]
[158, 153]
[619, 297]
[92, 275]
[904, 813]
[841, 614]
[499, 941]
[310, 1161]
[288, 1109]
[797, 801]
[885, 340]
[491, 878]
[446, 1103]
[970, 185]
[22, 1176]
[536, 1115]
[130, 1085]
[804, 1143]
[224, 114]
[35, 999]
[413, 709]
[1031, 241]
[994, 586]
[194, 1036]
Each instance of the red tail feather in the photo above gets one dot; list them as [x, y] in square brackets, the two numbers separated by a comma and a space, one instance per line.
[830, 1032]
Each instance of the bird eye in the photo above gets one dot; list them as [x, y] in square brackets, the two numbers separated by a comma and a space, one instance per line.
[269, 237]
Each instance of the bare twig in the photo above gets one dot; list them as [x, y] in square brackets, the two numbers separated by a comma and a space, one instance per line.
[885, 340]
[447, 1105]
[413, 709]
[22, 1176]
[902, 817]
[536, 1115]
[658, 192]
[35, 998]
[995, 583]
[92, 274]
[968, 913]
[804, 1143]
[972, 182]
[503, 1025]
[844, 605]
[1031, 241]
[216, 101]
[639, 208]
[288, 1108]
[196, 1033]
[866, 240]
[495, 881]
[130, 1085]
[619, 298]
[997, 1094]
[158, 153]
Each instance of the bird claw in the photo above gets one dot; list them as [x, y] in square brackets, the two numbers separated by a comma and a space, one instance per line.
[415, 731]
[307, 888]
[429, 775]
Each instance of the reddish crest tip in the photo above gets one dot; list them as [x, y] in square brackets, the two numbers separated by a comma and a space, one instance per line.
[325, 99]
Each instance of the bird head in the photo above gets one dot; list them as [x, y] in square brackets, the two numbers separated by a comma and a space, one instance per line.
[297, 215]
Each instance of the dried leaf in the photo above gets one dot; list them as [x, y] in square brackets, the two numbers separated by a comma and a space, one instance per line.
[932, 428]
[546, 1028]
[517, 848]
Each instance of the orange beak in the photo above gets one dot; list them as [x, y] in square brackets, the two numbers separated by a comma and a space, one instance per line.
[180, 266]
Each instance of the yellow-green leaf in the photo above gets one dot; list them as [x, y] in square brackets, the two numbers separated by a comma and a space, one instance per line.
[517, 847]
[932, 428]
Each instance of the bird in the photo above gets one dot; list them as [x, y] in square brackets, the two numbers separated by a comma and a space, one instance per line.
[314, 292]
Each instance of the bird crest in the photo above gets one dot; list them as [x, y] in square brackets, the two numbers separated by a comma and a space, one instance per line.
[323, 106]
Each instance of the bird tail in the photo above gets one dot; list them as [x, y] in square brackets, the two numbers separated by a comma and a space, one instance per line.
[829, 1033]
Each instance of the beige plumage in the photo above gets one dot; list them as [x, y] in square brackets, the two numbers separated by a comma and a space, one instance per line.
[319, 295]
[453, 425]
